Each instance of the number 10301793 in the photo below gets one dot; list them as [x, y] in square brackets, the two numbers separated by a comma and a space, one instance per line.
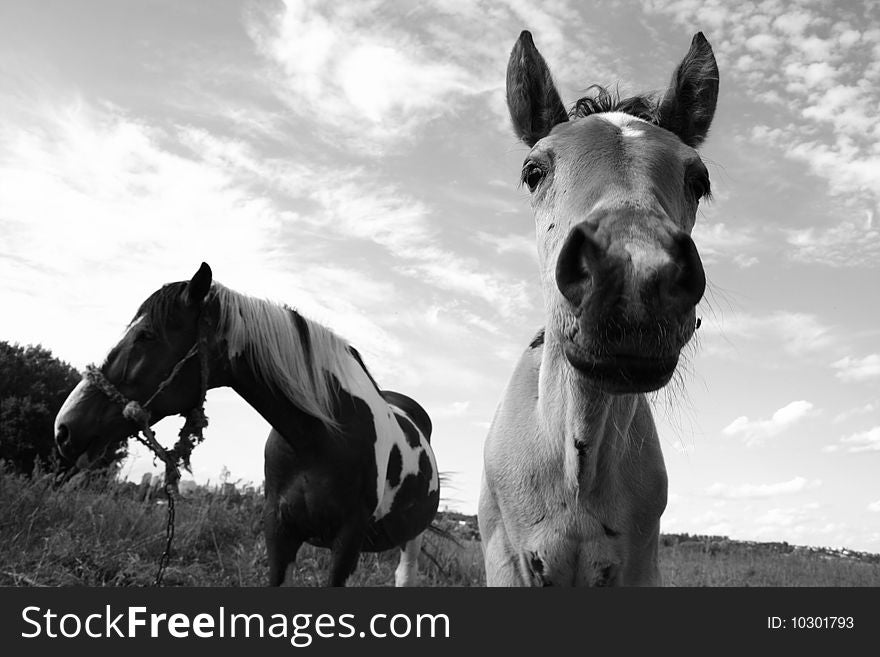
[810, 623]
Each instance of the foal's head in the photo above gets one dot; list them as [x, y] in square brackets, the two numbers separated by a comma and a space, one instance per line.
[614, 189]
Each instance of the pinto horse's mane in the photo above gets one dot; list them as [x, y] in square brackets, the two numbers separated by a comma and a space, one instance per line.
[602, 99]
[288, 352]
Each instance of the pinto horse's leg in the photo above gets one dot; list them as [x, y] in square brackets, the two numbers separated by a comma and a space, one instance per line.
[281, 554]
[281, 546]
[407, 570]
[345, 552]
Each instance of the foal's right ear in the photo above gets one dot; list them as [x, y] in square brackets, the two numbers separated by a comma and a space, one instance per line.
[534, 104]
[199, 286]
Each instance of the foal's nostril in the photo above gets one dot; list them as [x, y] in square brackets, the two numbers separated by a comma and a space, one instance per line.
[577, 259]
[692, 278]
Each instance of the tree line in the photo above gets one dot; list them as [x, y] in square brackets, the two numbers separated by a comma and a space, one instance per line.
[33, 386]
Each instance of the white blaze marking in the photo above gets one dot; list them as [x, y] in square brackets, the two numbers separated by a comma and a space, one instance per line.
[134, 323]
[627, 123]
[629, 131]
[74, 398]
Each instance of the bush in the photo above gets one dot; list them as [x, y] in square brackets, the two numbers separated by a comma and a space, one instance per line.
[33, 386]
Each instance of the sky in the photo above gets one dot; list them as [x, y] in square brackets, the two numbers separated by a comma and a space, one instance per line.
[355, 160]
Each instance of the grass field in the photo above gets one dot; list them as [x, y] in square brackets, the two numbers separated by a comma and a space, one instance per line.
[101, 534]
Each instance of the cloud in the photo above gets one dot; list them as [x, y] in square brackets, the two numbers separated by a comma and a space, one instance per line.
[755, 432]
[797, 334]
[761, 491]
[863, 441]
[848, 244]
[453, 409]
[855, 412]
[790, 518]
[368, 86]
[851, 369]
[874, 507]
[520, 245]
[717, 241]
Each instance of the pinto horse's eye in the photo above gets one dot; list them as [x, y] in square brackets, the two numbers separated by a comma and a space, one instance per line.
[531, 176]
[145, 336]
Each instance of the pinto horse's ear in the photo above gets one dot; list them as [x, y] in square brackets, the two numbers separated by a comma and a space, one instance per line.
[534, 104]
[688, 106]
[199, 286]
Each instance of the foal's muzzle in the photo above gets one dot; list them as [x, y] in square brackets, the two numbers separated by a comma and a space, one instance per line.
[632, 302]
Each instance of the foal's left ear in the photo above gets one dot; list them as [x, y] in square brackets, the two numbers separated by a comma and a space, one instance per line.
[199, 286]
[689, 104]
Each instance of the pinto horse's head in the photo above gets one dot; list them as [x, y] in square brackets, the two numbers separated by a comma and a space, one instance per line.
[163, 331]
[614, 189]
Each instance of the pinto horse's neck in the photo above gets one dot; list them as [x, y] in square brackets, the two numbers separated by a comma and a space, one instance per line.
[588, 425]
[276, 408]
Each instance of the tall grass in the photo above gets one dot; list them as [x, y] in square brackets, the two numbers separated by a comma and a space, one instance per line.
[97, 533]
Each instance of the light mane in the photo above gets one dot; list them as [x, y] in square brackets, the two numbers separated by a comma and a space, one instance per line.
[288, 352]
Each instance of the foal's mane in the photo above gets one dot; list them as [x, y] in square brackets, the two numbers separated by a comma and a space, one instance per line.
[644, 106]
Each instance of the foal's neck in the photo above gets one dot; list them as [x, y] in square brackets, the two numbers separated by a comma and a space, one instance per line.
[588, 425]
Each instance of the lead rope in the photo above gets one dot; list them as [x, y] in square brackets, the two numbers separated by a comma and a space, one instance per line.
[190, 435]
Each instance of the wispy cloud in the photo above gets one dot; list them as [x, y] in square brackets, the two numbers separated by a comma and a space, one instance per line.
[761, 491]
[372, 86]
[851, 369]
[754, 432]
[795, 520]
[522, 245]
[795, 333]
[870, 407]
[863, 441]
[718, 241]
[848, 244]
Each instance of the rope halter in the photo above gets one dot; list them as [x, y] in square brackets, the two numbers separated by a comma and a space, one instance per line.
[139, 414]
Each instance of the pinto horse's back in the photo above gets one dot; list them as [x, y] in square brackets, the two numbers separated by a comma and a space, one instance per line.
[412, 408]
[416, 493]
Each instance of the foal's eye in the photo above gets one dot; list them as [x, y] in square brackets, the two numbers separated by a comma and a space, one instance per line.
[531, 176]
[699, 188]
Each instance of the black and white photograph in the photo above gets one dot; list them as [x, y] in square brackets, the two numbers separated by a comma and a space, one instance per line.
[483, 293]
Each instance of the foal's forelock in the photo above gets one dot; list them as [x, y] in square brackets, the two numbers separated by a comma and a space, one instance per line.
[290, 353]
